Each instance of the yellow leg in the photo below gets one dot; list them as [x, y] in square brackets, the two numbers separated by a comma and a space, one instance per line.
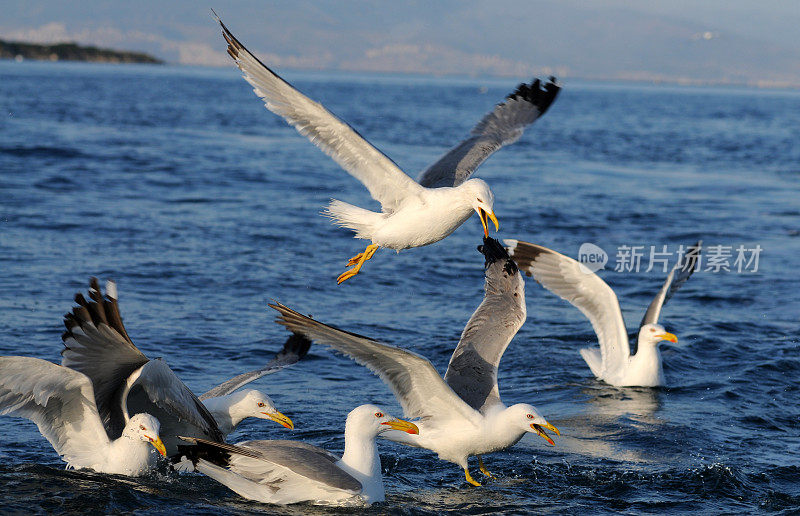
[357, 258]
[470, 479]
[483, 468]
[360, 258]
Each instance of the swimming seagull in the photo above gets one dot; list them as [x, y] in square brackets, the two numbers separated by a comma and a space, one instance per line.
[284, 472]
[572, 281]
[126, 381]
[61, 403]
[460, 415]
[413, 214]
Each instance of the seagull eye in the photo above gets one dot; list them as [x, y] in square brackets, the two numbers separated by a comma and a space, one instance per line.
[480, 200]
[260, 403]
[379, 414]
[530, 416]
[652, 330]
[141, 427]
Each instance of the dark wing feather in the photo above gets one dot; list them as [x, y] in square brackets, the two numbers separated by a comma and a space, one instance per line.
[295, 348]
[501, 126]
[97, 345]
[687, 264]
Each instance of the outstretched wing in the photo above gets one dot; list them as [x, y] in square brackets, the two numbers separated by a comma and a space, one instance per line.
[383, 178]
[61, 403]
[585, 290]
[97, 345]
[501, 126]
[125, 382]
[415, 383]
[295, 348]
[472, 372]
[687, 264]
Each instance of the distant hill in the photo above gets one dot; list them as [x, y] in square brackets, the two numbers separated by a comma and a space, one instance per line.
[71, 52]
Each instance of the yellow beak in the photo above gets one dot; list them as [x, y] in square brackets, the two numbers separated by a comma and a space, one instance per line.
[483, 216]
[541, 433]
[158, 445]
[280, 419]
[668, 336]
[402, 425]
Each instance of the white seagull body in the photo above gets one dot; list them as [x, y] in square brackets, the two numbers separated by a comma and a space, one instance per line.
[61, 403]
[125, 381]
[613, 362]
[460, 415]
[413, 214]
[285, 472]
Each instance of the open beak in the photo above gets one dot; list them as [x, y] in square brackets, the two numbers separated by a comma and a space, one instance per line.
[280, 419]
[158, 445]
[484, 215]
[539, 429]
[402, 425]
[668, 336]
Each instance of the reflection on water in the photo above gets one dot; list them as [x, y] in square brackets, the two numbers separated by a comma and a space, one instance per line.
[610, 423]
[634, 403]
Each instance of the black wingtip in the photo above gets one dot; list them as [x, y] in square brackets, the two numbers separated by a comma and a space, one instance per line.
[297, 344]
[493, 251]
[541, 97]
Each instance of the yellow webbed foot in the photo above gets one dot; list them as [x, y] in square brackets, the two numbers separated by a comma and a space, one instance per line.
[470, 479]
[354, 260]
[483, 468]
[346, 275]
[358, 261]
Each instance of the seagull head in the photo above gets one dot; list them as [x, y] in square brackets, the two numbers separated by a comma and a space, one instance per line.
[253, 403]
[531, 421]
[652, 334]
[481, 199]
[145, 428]
[374, 420]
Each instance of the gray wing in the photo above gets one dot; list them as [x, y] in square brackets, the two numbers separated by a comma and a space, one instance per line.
[157, 390]
[501, 126]
[414, 381]
[383, 178]
[97, 345]
[125, 382]
[472, 372]
[687, 264]
[256, 461]
[61, 403]
[295, 348]
[585, 290]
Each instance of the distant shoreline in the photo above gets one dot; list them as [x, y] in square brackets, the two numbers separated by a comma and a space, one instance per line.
[71, 52]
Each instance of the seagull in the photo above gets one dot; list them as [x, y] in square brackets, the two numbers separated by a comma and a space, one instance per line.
[125, 380]
[413, 213]
[613, 362]
[461, 414]
[284, 472]
[61, 403]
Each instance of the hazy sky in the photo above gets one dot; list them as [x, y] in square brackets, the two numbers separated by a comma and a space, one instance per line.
[691, 40]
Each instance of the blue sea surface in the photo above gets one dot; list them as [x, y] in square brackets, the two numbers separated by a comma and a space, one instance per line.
[204, 207]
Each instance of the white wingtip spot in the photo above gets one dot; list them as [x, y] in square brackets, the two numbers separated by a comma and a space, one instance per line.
[511, 245]
[111, 289]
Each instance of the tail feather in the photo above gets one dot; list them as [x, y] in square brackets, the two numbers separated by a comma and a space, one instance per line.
[363, 222]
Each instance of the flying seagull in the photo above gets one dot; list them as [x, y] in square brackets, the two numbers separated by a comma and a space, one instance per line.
[284, 472]
[61, 403]
[413, 213]
[126, 381]
[572, 281]
[461, 414]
